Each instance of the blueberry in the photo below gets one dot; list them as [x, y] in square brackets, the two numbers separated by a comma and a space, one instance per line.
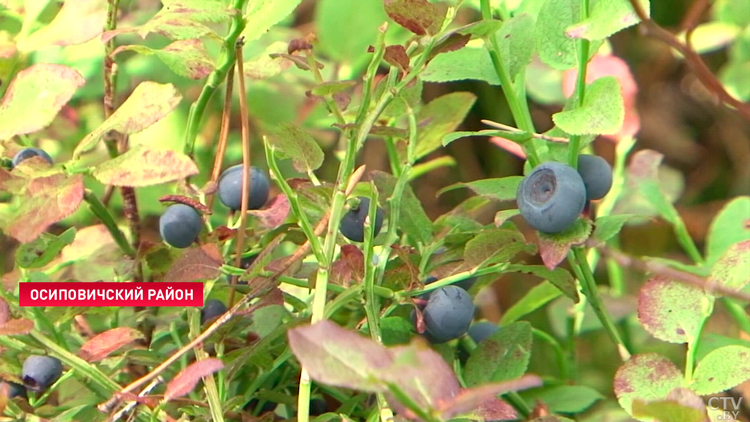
[27, 153]
[267, 406]
[448, 313]
[14, 390]
[212, 309]
[596, 174]
[180, 225]
[318, 407]
[230, 188]
[466, 283]
[39, 372]
[551, 197]
[481, 330]
[429, 280]
[353, 222]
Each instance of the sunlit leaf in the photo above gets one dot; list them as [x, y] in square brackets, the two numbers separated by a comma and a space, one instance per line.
[145, 166]
[44, 88]
[148, 103]
[186, 58]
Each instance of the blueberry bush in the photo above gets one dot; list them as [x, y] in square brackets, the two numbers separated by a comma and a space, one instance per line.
[417, 218]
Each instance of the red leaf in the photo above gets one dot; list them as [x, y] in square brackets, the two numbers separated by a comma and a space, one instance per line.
[510, 146]
[201, 263]
[4, 312]
[482, 399]
[395, 55]
[45, 201]
[188, 378]
[274, 213]
[102, 345]
[350, 265]
[418, 16]
[553, 248]
[16, 327]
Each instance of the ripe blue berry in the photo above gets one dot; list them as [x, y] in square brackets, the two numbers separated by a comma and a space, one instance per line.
[230, 188]
[551, 197]
[448, 313]
[13, 389]
[353, 223]
[318, 407]
[39, 372]
[27, 153]
[481, 330]
[596, 174]
[180, 225]
[268, 406]
[212, 309]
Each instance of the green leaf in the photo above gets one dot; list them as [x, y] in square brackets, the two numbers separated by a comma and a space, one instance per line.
[646, 377]
[418, 16]
[559, 277]
[606, 18]
[412, 217]
[502, 356]
[609, 226]
[733, 269]
[671, 311]
[452, 66]
[555, 48]
[330, 88]
[263, 14]
[44, 88]
[730, 226]
[293, 142]
[145, 166]
[602, 111]
[519, 136]
[503, 189]
[534, 299]
[44, 249]
[263, 66]
[394, 331]
[187, 58]
[495, 245]
[721, 370]
[553, 248]
[148, 104]
[443, 114]
[565, 398]
[712, 341]
[667, 411]
[336, 17]
[516, 41]
[180, 20]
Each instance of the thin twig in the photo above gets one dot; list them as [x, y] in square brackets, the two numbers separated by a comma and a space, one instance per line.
[693, 59]
[533, 135]
[246, 180]
[257, 292]
[132, 405]
[657, 268]
[223, 134]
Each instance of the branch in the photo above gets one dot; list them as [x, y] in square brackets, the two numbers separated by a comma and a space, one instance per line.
[704, 74]
[657, 268]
